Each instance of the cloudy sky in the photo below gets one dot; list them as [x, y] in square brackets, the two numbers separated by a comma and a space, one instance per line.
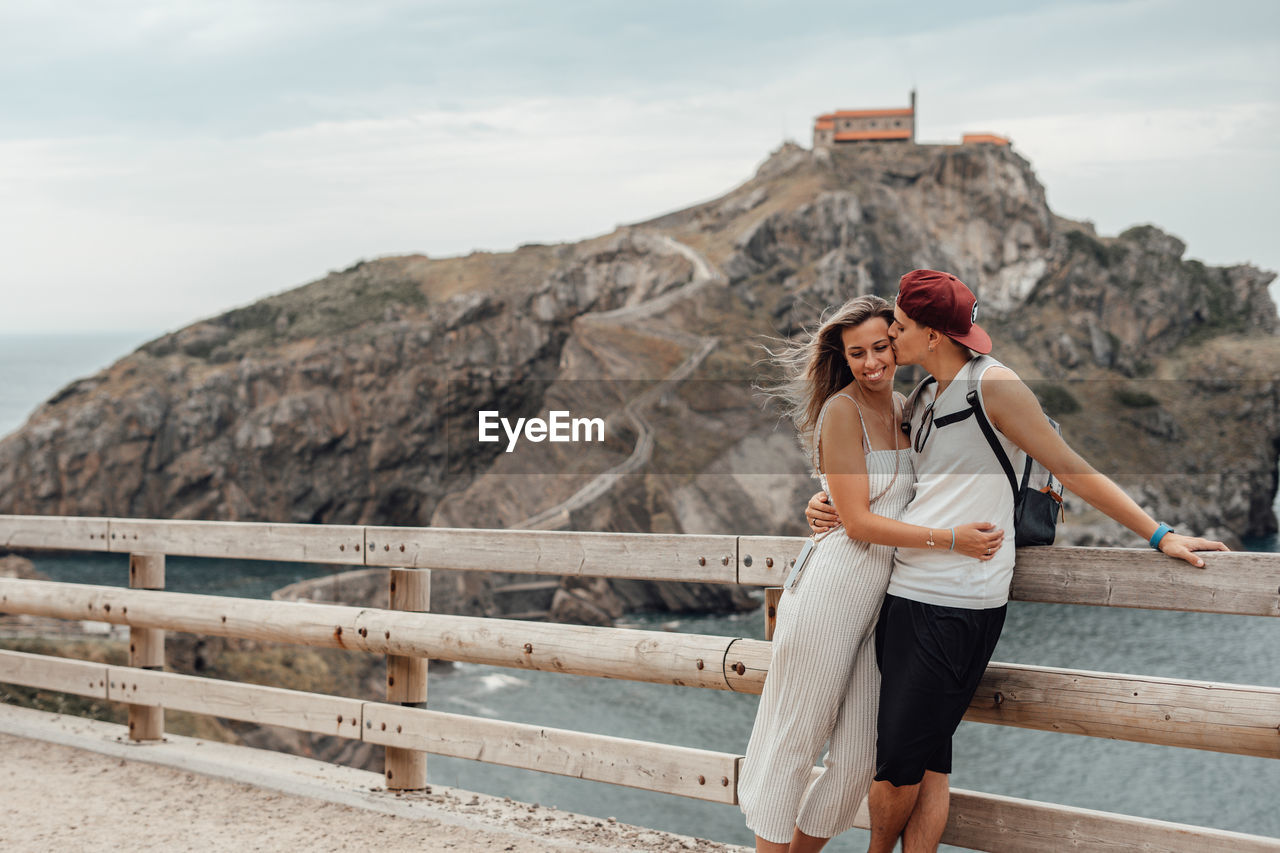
[163, 161]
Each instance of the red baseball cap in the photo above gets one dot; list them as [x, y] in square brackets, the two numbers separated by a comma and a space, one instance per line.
[941, 301]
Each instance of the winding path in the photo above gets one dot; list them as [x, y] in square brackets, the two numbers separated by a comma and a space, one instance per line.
[704, 273]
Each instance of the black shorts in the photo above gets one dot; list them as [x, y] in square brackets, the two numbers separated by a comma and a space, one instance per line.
[931, 659]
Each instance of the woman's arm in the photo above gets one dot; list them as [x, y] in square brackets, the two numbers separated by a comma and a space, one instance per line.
[1013, 409]
[846, 468]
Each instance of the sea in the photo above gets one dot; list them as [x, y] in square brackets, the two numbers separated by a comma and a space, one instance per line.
[1232, 792]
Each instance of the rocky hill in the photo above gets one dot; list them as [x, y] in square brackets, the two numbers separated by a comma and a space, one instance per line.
[354, 399]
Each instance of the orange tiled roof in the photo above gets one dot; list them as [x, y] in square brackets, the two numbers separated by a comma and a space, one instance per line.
[897, 111]
[975, 138]
[863, 135]
[824, 124]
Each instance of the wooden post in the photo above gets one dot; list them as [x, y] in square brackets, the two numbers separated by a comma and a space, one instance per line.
[406, 769]
[146, 647]
[772, 595]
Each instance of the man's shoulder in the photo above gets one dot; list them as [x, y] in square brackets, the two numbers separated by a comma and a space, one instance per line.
[996, 371]
[997, 377]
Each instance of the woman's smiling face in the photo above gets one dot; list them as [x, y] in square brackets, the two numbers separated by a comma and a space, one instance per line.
[868, 353]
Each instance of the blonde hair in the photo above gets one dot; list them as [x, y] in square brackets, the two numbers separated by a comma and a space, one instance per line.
[814, 366]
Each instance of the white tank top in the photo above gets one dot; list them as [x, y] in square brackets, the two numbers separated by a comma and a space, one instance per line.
[958, 480]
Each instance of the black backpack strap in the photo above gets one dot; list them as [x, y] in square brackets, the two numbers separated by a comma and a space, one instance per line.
[908, 407]
[990, 434]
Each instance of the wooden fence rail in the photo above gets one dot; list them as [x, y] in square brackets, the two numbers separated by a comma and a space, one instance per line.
[978, 820]
[1229, 718]
[1237, 583]
[1205, 715]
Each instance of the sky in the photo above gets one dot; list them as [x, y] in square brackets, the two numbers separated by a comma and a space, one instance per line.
[165, 161]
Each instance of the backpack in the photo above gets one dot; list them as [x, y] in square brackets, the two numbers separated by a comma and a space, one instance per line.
[1037, 500]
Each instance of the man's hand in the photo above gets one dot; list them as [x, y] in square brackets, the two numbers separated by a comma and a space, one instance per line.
[821, 515]
[1181, 547]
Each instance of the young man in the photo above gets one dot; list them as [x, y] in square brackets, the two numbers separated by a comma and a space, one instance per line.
[943, 612]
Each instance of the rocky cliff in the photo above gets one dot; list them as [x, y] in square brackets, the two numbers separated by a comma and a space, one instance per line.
[354, 398]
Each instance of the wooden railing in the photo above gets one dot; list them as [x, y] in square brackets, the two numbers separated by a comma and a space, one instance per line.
[1202, 715]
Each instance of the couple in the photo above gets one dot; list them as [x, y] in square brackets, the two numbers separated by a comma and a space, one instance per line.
[887, 694]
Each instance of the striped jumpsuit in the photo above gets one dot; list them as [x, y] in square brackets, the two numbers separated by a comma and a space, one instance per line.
[823, 685]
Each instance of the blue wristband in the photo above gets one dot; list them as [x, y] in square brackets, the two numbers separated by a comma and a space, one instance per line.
[1159, 534]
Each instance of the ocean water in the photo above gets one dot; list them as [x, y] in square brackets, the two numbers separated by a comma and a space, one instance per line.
[1191, 786]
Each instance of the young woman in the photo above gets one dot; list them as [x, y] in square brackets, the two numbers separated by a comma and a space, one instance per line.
[823, 683]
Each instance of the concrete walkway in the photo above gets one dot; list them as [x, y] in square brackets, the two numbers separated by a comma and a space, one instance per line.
[71, 784]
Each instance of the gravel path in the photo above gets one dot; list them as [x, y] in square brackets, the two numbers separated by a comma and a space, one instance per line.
[59, 797]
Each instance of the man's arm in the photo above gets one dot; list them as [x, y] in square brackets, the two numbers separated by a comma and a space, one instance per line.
[821, 513]
[1013, 409]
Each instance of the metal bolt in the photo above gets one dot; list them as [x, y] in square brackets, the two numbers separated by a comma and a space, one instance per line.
[342, 547]
[386, 635]
[391, 681]
[339, 719]
[724, 561]
[389, 775]
[746, 561]
[393, 586]
[702, 780]
[702, 561]
[386, 547]
[364, 632]
[401, 549]
[106, 607]
[384, 727]
[724, 780]
[768, 562]
[372, 545]
[740, 668]
[999, 697]
[700, 663]
[528, 648]
[398, 729]
[368, 724]
[357, 547]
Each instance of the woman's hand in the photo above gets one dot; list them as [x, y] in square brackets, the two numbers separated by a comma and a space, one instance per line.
[820, 514]
[979, 540]
[1180, 547]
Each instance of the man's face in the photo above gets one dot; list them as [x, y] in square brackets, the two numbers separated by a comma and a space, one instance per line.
[907, 338]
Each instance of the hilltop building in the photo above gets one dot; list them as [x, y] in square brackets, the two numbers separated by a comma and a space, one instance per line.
[896, 124]
[892, 124]
[983, 138]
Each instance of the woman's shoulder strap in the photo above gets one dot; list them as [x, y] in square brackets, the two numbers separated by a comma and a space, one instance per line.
[816, 456]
